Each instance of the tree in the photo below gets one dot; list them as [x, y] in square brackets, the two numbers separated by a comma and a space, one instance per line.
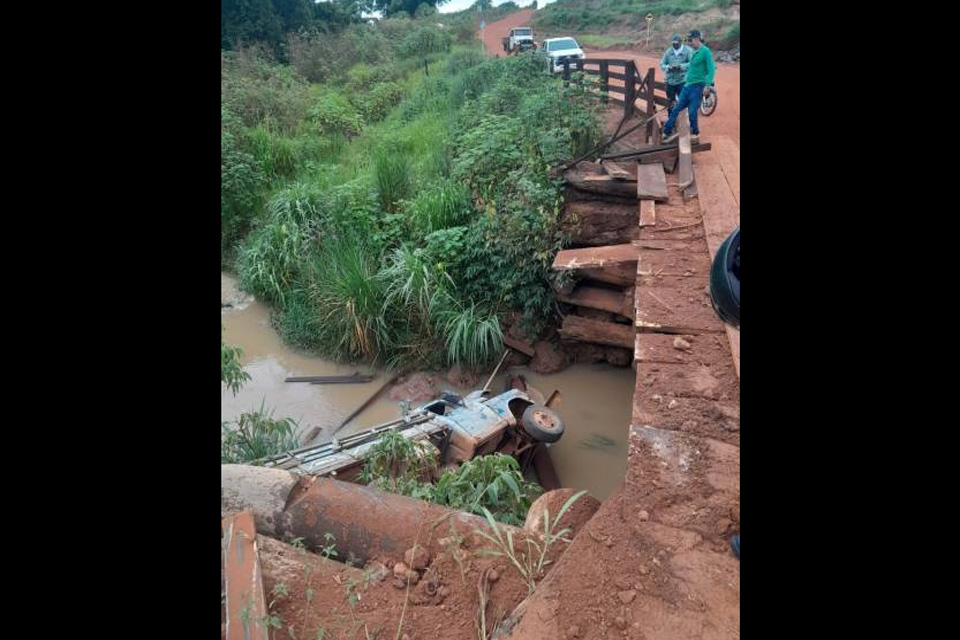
[393, 7]
[247, 21]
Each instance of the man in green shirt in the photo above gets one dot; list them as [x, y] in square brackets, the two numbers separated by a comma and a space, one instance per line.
[700, 75]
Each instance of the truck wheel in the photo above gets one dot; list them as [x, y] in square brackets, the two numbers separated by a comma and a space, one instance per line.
[542, 424]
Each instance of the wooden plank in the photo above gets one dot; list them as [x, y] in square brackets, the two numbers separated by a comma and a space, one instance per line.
[597, 332]
[671, 309]
[601, 299]
[246, 604]
[595, 257]
[721, 215]
[617, 172]
[648, 213]
[652, 183]
[519, 345]
[685, 162]
[729, 154]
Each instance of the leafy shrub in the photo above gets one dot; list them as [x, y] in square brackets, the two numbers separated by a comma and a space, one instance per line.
[376, 103]
[241, 184]
[333, 113]
[257, 89]
[231, 371]
[491, 482]
[256, 435]
[425, 40]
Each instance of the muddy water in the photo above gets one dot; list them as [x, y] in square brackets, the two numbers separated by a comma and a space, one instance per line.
[269, 362]
[596, 400]
[596, 406]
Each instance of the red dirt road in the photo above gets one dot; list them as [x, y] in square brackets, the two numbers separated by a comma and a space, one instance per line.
[496, 31]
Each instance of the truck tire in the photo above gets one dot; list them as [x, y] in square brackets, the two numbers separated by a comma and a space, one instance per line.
[542, 424]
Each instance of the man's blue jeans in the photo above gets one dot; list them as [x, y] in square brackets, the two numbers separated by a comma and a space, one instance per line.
[690, 97]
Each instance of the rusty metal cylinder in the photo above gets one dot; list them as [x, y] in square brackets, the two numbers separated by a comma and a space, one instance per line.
[364, 523]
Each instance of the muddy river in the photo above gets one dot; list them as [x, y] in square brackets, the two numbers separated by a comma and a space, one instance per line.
[595, 405]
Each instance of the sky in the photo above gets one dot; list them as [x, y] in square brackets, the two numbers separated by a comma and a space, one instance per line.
[460, 5]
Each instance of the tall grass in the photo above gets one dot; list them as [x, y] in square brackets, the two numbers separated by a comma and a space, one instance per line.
[348, 299]
[440, 206]
[270, 259]
[471, 335]
[391, 170]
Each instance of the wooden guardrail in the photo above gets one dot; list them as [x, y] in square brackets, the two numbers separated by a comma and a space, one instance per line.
[635, 85]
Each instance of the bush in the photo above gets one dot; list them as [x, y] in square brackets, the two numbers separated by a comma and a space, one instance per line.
[231, 371]
[256, 89]
[334, 114]
[378, 101]
[425, 40]
[256, 435]
[491, 482]
[241, 184]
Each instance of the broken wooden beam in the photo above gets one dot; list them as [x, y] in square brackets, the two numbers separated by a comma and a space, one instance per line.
[602, 184]
[601, 299]
[652, 183]
[617, 172]
[595, 257]
[648, 213]
[598, 332]
[519, 345]
[246, 604]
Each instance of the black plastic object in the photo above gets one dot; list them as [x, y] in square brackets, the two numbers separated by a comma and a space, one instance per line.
[735, 544]
[542, 424]
[725, 280]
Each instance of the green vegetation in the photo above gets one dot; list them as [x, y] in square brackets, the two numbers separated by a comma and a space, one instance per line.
[488, 484]
[389, 212]
[587, 18]
[256, 435]
[231, 371]
[603, 41]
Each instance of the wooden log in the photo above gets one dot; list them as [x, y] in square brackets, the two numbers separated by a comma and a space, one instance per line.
[602, 184]
[595, 257]
[597, 332]
[519, 345]
[600, 299]
[652, 183]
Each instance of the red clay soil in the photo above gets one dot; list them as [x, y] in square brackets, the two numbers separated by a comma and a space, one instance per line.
[441, 605]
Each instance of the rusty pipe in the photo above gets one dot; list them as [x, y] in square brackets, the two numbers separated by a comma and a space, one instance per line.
[365, 523]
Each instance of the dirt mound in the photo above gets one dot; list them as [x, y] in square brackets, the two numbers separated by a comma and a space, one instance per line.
[549, 358]
[415, 388]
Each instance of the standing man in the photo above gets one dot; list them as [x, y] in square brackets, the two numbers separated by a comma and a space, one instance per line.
[674, 65]
[700, 74]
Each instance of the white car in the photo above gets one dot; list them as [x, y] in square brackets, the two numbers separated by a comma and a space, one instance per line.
[561, 49]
